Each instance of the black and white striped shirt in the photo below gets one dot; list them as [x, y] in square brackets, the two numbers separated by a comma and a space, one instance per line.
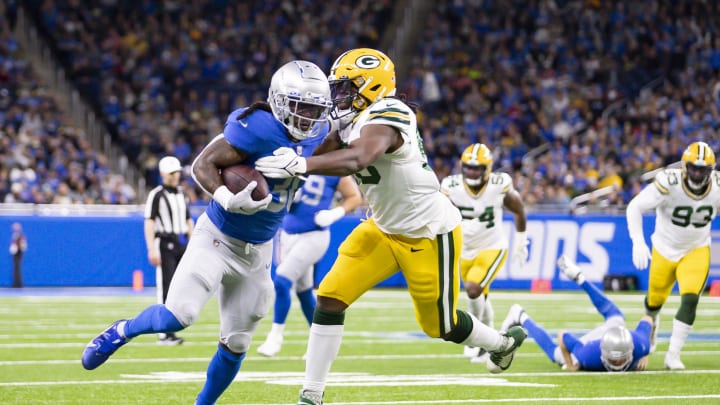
[167, 206]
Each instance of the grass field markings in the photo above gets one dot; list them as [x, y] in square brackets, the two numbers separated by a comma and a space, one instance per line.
[361, 338]
[350, 379]
[364, 379]
[525, 400]
[252, 357]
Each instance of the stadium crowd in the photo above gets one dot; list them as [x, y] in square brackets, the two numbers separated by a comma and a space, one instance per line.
[44, 158]
[597, 92]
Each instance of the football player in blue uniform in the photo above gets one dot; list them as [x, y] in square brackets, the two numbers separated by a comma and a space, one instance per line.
[303, 241]
[230, 251]
[609, 347]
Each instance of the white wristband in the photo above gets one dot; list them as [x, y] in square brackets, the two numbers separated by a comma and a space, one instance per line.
[337, 213]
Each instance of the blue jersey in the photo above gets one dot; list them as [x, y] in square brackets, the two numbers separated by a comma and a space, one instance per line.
[315, 195]
[258, 135]
[588, 355]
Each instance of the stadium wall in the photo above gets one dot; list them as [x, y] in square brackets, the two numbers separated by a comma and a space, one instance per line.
[71, 251]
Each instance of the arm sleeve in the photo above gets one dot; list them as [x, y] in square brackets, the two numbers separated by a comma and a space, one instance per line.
[571, 342]
[649, 198]
[642, 337]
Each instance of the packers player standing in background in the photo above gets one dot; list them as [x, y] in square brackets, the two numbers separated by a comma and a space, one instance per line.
[685, 201]
[414, 228]
[481, 195]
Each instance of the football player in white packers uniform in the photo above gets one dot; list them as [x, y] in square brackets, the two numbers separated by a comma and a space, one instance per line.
[414, 228]
[685, 202]
[481, 195]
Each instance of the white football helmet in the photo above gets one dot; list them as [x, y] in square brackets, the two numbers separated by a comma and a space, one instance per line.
[616, 349]
[299, 97]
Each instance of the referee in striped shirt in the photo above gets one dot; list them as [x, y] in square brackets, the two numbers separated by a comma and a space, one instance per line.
[168, 226]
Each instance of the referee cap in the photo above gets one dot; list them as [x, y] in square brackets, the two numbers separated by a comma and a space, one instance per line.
[169, 164]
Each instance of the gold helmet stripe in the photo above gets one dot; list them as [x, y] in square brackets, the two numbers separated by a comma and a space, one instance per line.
[701, 151]
[474, 154]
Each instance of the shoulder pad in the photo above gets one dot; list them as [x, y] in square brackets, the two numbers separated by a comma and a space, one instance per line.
[390, 111]
[666, 179]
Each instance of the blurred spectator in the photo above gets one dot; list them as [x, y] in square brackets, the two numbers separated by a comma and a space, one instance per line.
[554, 86]
[18, 246]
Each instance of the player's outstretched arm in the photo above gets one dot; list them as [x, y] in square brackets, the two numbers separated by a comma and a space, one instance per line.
[374, 140]
[569, 364]
[642, 363]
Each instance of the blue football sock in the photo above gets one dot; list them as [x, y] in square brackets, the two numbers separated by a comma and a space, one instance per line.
[154, 319]
[542, 338]
[282, 299]
[606, 307]
[307, 303]
[221, 371]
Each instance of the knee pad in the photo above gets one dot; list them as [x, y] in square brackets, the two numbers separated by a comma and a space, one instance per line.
[186, 313]
[238, 343]
[688, 307]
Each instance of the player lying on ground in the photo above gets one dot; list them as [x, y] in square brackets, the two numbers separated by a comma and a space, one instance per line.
[609, 347]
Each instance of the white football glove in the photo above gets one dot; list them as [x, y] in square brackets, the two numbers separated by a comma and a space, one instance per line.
[324, 218]
[241, 202]
[520, 249]
[641, 254]
[283, 164]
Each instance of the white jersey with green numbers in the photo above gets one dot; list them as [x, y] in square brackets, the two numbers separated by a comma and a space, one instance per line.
[402, 190]
[481, 213]
[682, 218]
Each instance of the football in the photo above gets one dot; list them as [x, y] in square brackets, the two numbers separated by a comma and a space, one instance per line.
[238, 176]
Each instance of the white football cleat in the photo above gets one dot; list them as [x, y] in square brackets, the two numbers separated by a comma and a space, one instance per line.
[471, 352]
[672, 361]
[568, 268]
[513, 317]
[271, 346]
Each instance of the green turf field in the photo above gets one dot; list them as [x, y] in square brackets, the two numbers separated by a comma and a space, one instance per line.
[384, 358]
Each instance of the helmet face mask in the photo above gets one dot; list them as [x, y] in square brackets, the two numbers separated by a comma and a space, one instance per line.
[698, 176]
[299, 98]
[475, 175]
[698, 163]
[358, 78]
[344, 95]
[616, 349]
[477, 161]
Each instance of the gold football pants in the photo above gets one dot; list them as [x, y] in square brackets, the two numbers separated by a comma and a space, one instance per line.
[430, 267]
[691, 273]
[483, 268]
